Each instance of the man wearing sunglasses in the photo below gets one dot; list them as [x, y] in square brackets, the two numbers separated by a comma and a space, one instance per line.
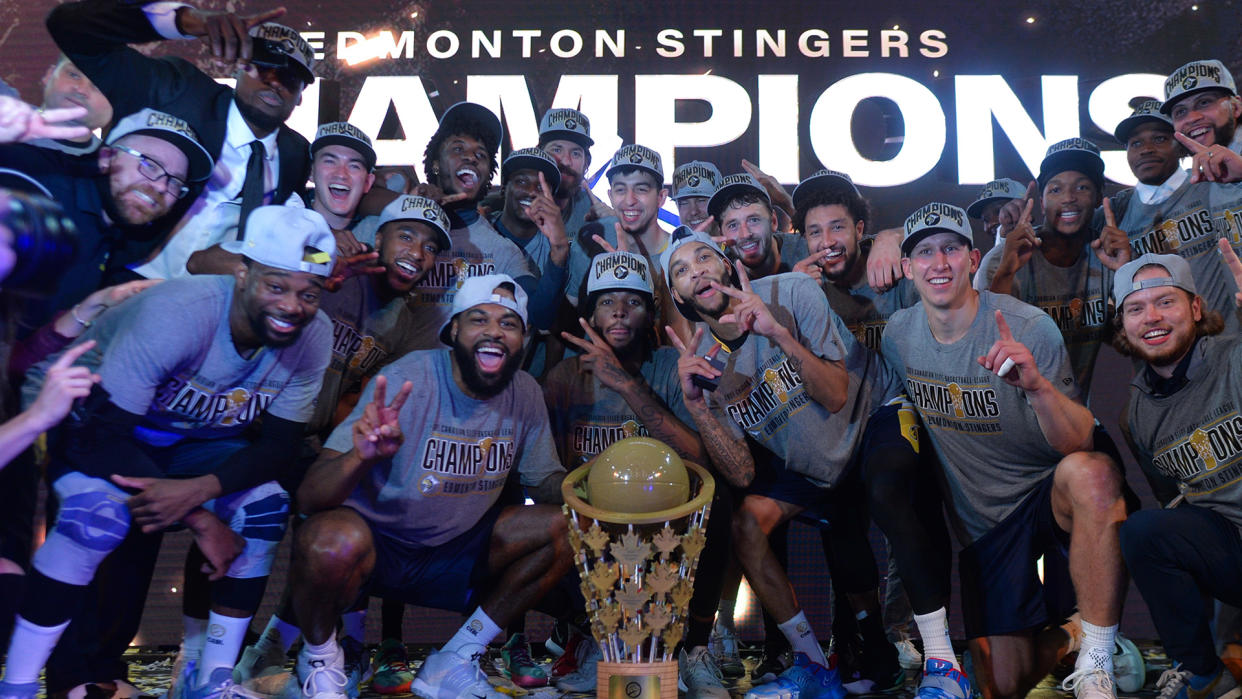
[259, 160]
[116, 197]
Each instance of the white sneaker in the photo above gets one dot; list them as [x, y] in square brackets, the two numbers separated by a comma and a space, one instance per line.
[699, 676]
[447, 675]
[1090, 683]
[908, 655]
[1129, 670]
[322, 678]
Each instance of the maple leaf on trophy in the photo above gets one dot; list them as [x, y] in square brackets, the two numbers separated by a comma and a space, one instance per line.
[596, 538]
[657, 617]
[631, 551]
[633, 633]
[666, 541]
[603, 576]
[662, 578]
[692, 543]
[672, 636]
[633, 599]
[608, 616]
[682, 592]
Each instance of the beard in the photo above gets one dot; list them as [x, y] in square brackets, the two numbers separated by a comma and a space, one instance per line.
[479, 384]
[263, 120]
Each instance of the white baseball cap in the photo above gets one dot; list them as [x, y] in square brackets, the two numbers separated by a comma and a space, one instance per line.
[289, 238]
[479, 290]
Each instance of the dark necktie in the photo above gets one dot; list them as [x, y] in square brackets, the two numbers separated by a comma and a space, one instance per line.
[252, 187]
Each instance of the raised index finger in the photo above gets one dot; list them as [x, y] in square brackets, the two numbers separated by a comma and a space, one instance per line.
[71, 355]
[1109, 220]
[1191, 144]
[543, 184]
[1003, 327]
[1026, 211]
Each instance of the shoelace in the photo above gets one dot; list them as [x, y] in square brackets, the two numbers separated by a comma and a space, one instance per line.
[1087, 676]
[1171, 682]
[519, 656]
[330, 674]
[704, 661]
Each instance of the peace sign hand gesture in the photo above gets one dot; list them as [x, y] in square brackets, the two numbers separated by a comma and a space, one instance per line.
[690, 365]
[598, 358]
[377, 433]
[1113, 246]
[749, 312]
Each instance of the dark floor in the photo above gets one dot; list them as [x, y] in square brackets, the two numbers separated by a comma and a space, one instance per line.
[152, 667]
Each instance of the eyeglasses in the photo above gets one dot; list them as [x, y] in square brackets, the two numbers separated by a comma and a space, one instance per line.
[155, 172]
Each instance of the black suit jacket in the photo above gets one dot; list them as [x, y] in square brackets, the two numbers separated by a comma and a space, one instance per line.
[95, 35]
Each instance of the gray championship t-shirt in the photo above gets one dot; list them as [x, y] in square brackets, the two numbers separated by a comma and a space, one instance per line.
[367, 333]
[457, 451]
[587, 417]
[168, 354]
[1078, 298]
[1194, 436]
[865, 311]
[477, 250]
[1188, 224]
[762, 395]
[986, 434]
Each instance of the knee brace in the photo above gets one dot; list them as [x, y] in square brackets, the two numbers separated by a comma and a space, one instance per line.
[261, 516]
[92, 522]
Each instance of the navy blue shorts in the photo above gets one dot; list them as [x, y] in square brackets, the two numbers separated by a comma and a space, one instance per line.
[451, 576]
[1001, 591]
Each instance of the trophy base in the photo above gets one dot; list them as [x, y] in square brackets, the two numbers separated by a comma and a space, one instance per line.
[636, 680]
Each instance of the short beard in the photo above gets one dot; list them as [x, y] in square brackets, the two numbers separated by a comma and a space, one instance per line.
[476, 382]
[263, 120]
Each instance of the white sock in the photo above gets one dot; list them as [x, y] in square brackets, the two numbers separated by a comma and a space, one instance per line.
[1097, 647]
[194, 637]
[724, 613]
[327, 649]
[225, 635]
[934, 628]
[29, 647]
[802, 638]
[474, 635]
[280, 633]
[354, 625]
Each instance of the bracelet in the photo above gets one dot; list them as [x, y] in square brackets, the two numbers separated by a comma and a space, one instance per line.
[84, 323]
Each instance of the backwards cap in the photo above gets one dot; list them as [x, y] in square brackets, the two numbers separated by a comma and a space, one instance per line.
[1176, 265]
[289, 238]
[476, 291]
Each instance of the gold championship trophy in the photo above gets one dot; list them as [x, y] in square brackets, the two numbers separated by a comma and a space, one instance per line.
[637, 534]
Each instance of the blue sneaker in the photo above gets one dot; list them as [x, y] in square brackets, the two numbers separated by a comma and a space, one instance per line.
[22, 690]
[943, 681]
[803, 680]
